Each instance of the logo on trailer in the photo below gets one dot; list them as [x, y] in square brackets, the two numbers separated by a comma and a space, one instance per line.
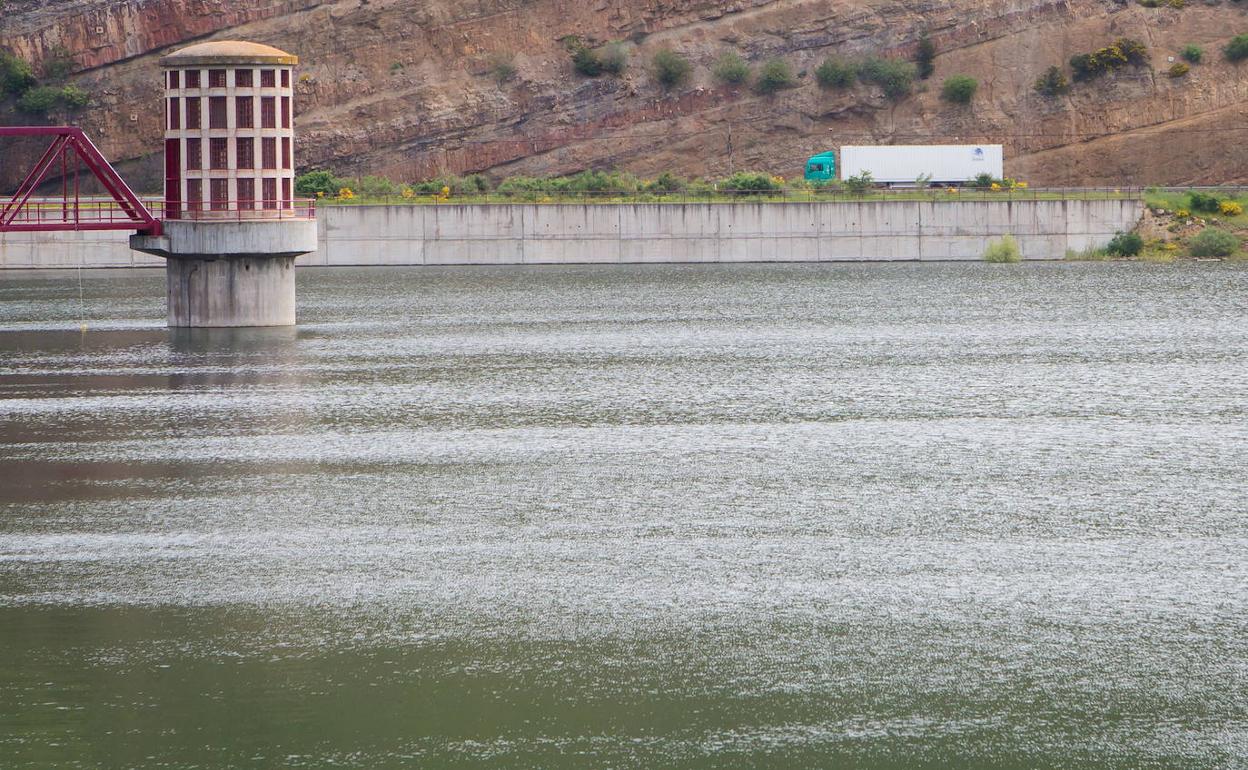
[977, 155]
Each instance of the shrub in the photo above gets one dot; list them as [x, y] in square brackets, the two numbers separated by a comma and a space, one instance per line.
[1192, 53]
[925, 59]
[731, 69]
[775, 75]
[1004, 249]
[1198, 201]
[1178, 69]
[894, 76]
[670, 68]
[502, 67]
[959, 89]
[667, 182]
[376, 187]
[834, 73]
[74, 97]
[985, 181]
[1053, 82]
[750, 182]
[585, 61]
[16, 75]
[859, 183]
[39, 100]
[315, 183]
[1237, 49]
[1084, 66]
[1125, 245]
[1120, 53]
[1230, 209]
[1212, 242]
[58, 64]
[614, 58]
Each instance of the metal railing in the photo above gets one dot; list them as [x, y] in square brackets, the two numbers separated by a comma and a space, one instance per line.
[226, 210]
[74, 213]
[786, 194]
[101, 213]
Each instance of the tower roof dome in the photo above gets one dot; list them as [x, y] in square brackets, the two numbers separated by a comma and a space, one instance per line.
[228, 52]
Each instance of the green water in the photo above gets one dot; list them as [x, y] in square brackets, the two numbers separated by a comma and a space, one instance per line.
[876, 516]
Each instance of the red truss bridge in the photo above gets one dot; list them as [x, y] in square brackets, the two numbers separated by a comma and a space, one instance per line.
[73, 158]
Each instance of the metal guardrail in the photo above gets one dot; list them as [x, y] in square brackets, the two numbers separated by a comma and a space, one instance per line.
[225, 210]
[541, 196]
[100, 213]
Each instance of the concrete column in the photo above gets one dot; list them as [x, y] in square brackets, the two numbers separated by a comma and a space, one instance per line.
[231, 291]
[230, 273]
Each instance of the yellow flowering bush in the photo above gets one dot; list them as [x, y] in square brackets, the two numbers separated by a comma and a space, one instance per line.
[345, 194]
[407, 192]
[1182, 214]
[1230, 209]
[995, 187]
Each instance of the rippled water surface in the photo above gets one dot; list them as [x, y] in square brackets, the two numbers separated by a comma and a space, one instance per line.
[879, 516]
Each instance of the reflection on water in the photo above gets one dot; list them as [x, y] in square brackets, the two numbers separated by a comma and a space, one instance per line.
[876, 516]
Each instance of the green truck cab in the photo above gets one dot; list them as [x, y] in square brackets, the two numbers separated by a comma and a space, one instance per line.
[821, 167]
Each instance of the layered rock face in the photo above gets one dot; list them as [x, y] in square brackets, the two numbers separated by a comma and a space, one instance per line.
[407, 88]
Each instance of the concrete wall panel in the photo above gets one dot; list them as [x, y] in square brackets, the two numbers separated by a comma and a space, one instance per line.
[943, 229]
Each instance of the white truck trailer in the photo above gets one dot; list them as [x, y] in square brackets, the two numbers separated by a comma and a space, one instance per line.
[903, 164]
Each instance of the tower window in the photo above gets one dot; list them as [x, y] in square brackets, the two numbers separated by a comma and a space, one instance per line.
[218, 114]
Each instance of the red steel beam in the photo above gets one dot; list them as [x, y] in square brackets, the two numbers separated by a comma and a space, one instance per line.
[66, 139]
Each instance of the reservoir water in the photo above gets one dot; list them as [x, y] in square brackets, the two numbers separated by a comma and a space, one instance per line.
[852, 516]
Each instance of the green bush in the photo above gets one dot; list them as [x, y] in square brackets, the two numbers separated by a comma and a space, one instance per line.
[1125, 245]
[1178, 69]
[375, 187]
[1004, 249]
[835, 73]
[896, 77]
[731, 69]
[39, 100]
[1053, 82]
[984, 181]
[74, 97]
[925, 59]
[1192, 53]
[1237, 49]
[666, 183]
[613, 59]
[750, 182]
[670, 68]
[859, 183]
[1198, 201]
[585, 61]
[322, 182]
[502, 67]
[775, 75]
[1212, 242]
[959, 89]
[58, 64]
[16, 75]
[1120, 53]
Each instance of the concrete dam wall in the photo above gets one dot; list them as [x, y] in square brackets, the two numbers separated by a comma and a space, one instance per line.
[493, 234]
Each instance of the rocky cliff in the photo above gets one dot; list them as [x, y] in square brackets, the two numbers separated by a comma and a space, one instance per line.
[408, 88]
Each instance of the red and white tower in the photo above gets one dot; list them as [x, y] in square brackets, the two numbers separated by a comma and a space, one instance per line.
[231, 230]
[229, 131]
